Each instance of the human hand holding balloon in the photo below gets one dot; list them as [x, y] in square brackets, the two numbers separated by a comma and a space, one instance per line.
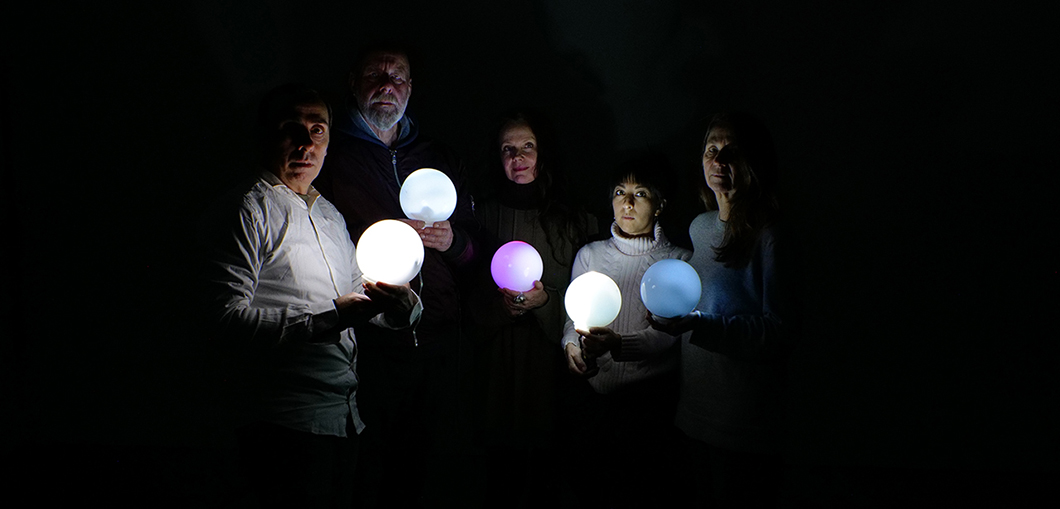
[575, 362]
[438, 236]
[355, 308]
[673, 326]
[518, 303]
[397, 299]
[599, 340]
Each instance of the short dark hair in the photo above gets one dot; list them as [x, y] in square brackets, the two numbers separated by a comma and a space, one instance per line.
[648, 169]
[279, 101]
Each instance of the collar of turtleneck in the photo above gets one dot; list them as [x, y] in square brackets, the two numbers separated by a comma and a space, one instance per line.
[637, 245]
[519, 196]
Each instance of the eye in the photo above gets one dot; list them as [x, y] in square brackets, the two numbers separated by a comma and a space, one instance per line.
[711, 151]
[317, 130]
[619, 192]
[508, 150]
[529, 146]
[398, 80]
[641, 194]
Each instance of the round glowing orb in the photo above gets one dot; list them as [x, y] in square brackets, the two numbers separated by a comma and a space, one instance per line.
[428, 195]
[516, 265]
[390, 251]
[670, 288]
[592, 300]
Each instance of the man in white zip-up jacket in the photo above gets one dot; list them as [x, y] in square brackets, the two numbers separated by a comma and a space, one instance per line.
[286, 287]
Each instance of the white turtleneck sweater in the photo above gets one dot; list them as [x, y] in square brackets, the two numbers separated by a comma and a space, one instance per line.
[646, 352]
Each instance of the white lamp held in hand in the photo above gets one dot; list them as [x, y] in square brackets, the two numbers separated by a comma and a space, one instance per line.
[593, 300]
[390, 251]
[428, 195]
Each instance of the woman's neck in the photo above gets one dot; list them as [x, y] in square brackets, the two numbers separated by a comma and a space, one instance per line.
[650, 234]
[724, 204]
[519, 196]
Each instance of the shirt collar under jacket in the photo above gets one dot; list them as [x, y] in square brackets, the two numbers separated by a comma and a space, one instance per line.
[638, 245]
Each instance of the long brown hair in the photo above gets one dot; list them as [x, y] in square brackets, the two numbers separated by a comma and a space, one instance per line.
[557, 213]
[754, 203]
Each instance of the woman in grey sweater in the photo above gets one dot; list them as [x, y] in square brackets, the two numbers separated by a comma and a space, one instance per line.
[735, 343]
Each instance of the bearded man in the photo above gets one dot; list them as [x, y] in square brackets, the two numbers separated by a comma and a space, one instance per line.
[409, 393]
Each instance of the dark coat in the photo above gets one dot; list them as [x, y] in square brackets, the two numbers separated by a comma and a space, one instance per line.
[363, 177]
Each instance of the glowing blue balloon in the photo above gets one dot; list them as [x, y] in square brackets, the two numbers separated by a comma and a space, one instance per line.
[516, 265]
[427, 195]
[670, 288]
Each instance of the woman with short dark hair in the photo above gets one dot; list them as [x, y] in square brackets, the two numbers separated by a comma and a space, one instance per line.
[624, 423]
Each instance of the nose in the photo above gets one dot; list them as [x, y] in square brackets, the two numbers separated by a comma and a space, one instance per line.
[629, 201]
[725, 156]
[302, 139]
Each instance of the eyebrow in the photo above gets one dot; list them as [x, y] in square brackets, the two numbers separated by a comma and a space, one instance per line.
[380, 68]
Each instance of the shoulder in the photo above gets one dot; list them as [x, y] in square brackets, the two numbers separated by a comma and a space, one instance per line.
[253, 196]
[704, 220]
[680, 253]
[594, 248]
[245, 204]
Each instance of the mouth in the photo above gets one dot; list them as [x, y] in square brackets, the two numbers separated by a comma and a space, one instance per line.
[385, 101]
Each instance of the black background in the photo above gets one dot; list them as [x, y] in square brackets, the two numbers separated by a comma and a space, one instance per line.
[917, 145]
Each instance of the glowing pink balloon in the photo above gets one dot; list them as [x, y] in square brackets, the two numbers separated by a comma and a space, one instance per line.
[516, 265]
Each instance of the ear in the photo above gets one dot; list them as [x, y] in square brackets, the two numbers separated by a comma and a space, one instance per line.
[659, 210]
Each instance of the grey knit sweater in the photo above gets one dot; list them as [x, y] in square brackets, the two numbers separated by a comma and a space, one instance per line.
[732, 362]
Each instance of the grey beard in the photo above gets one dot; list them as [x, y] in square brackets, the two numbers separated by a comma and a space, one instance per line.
[382, 120]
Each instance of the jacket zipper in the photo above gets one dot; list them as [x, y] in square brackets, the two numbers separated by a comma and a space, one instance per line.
[393, 163]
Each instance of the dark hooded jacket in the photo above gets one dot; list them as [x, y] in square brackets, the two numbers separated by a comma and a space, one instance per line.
[363, 178]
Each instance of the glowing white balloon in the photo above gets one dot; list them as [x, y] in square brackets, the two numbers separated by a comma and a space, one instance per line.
[428, 195]
[670, 288]
[390, 251]
[592, 300]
